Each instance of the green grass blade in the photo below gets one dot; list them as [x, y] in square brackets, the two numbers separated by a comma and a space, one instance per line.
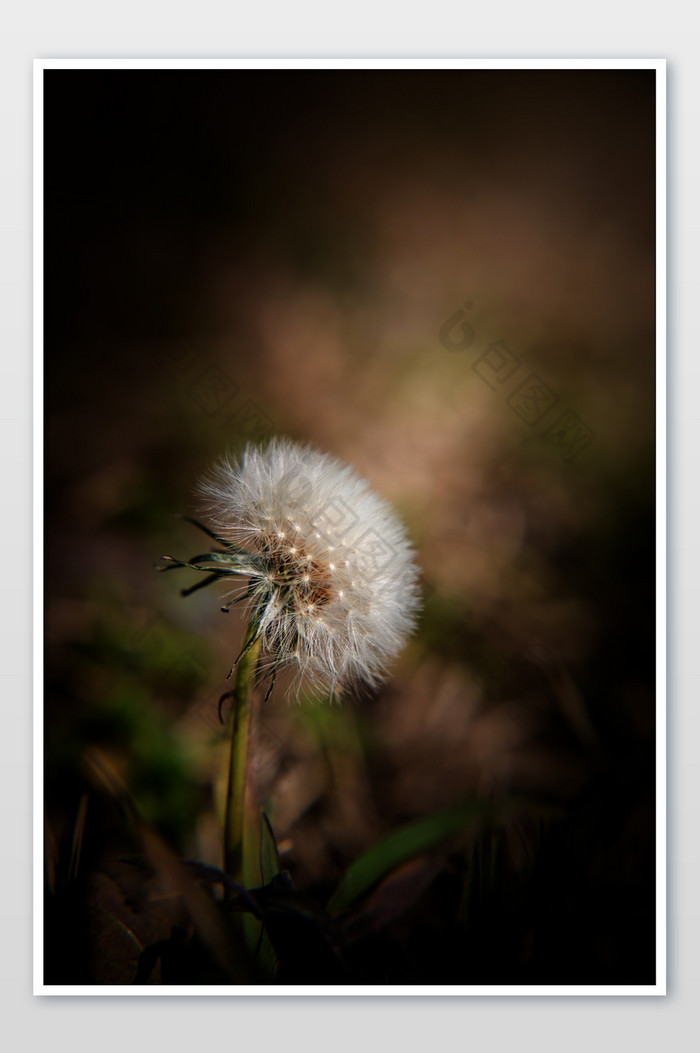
[269, 857]
[401, 845]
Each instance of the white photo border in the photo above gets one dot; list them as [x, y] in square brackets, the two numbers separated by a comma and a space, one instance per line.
[656, 989]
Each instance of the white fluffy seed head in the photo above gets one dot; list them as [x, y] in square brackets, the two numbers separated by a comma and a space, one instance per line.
[335, 589]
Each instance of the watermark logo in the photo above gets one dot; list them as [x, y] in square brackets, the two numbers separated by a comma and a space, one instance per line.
[335, 526]
[456, 334]
[250, 420]
[336, 519]
[496, 365]
[218, 396]
[569, 435]
[527, 394]
[212, 390]
[532, 400]
[374, 555]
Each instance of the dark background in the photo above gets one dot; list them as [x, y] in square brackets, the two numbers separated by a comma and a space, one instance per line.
[231, 255]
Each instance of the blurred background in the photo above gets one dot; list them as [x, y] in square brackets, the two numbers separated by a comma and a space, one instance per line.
[445, 279]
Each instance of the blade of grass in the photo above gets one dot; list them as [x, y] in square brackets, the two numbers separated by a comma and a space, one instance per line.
[78, 831]
[401, 845]
[223, 942]
[269, 856]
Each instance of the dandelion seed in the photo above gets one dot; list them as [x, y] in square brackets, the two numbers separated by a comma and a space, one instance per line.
[310, 616]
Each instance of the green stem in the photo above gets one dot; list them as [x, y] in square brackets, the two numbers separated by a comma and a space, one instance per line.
[238, 765]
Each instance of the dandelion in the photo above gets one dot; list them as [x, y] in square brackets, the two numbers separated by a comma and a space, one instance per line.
[332, 582]
[329, 578]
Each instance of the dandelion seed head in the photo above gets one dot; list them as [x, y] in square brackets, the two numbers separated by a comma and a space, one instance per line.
[335, 621]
